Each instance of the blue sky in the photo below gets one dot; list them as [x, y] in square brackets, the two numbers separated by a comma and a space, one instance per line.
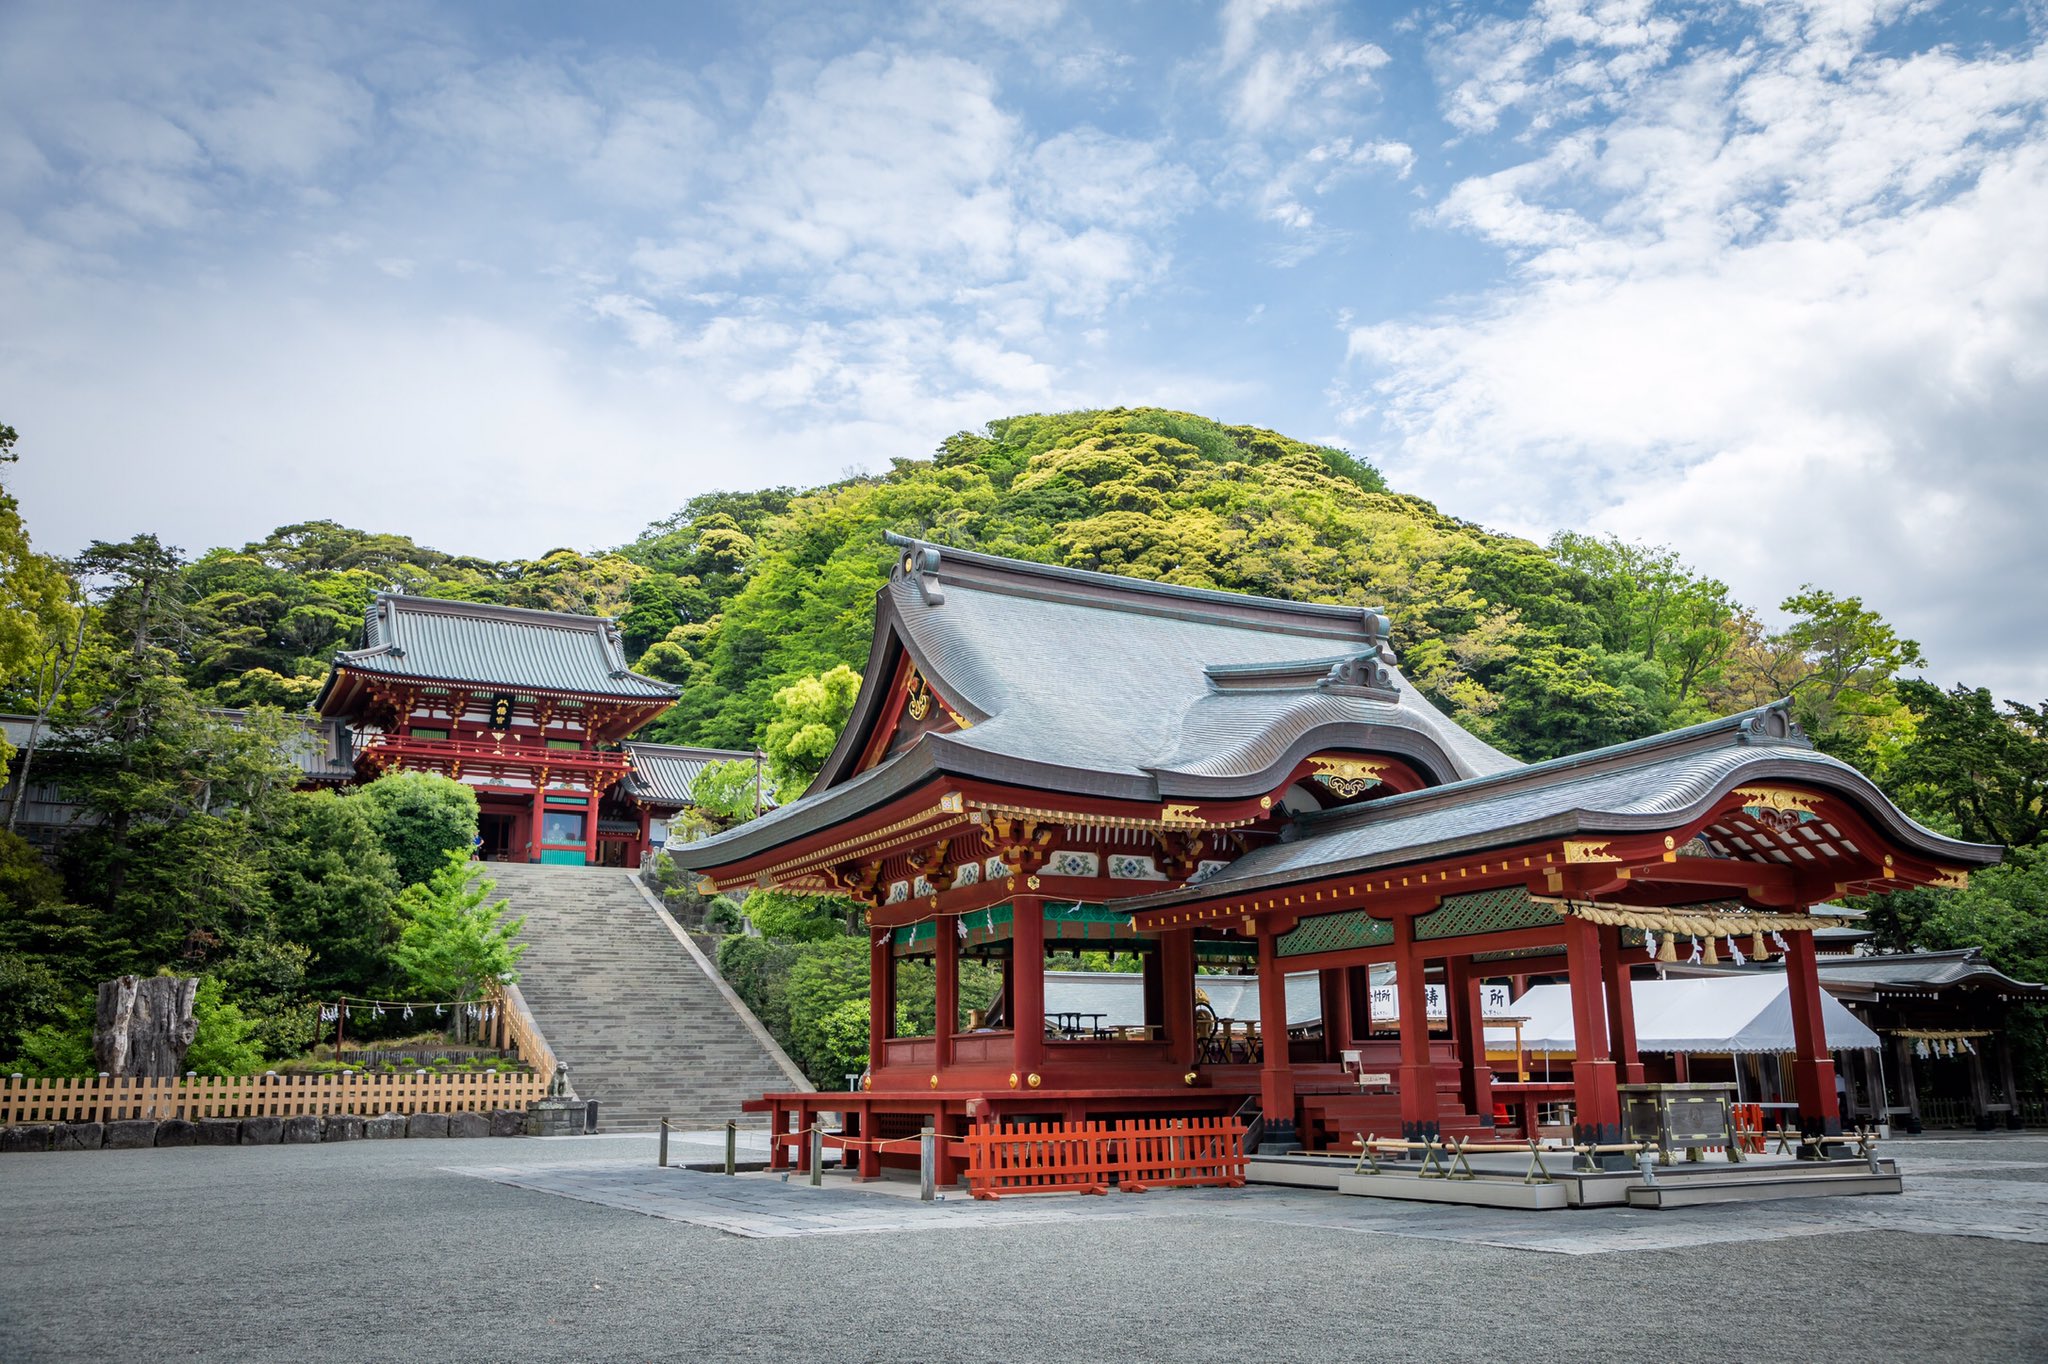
[1767, 282]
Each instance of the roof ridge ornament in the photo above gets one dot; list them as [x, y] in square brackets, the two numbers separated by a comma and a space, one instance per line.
[1773, 724]
[920, 565]
[1366, 670]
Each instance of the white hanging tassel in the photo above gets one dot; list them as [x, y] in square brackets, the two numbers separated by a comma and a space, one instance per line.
[1695, 951]
[438, 1011]
[1650, 945]
[1778, 941]
[378, 1010]
[1969, 1046]
[1734, 950]
[408, 1011]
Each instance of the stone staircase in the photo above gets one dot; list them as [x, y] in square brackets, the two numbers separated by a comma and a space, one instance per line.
[642, 1027]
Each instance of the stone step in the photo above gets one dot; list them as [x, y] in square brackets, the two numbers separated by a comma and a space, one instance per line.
[1698, 1190]
[642, 1027]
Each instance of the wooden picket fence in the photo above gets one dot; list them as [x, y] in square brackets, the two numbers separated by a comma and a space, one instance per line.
[1139, 1154]
[1180, 1153]
[110, 1098]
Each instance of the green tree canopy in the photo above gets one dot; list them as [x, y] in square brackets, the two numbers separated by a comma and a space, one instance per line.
[1975, 766]
[809, 713]
[455, 944]
[421, 818]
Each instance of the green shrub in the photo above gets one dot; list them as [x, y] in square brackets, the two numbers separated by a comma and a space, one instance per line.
[421, 818]
[222, 1045]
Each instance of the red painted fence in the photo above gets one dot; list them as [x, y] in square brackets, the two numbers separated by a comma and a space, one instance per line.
[1148, 1153]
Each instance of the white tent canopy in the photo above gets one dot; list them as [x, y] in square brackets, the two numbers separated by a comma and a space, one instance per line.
[1722, 1014]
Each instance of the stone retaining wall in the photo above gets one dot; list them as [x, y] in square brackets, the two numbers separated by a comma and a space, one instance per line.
[136, 1133]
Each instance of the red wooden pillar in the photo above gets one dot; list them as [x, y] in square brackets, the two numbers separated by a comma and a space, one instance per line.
[863, 1123]
[1420, 1113]
[946, 965]
[778, 1151]
[1276, 1072]
[1813, 1070]
[946, 1161]
[881, 995]
[537, 829]
[1621, 1007]
[590, 828]
[1027, 985]
[1177, 993]
[645, 841]
[1336, 991]
[1593, 1077]
[1475, 1076]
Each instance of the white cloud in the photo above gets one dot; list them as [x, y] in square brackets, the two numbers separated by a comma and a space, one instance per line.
[1089, 175]
[1608, 48]
[1277, 83]
[1011, 18]
[1782, 309]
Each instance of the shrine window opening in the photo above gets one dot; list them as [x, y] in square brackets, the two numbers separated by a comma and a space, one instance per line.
[562, 826]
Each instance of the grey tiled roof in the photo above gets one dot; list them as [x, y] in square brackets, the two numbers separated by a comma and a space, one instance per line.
[1091, 684]
[432, 640]
[1640, 786]
[1112, 683]
[321, 748]
[663, 774]
[324, 749]
[1922, 970]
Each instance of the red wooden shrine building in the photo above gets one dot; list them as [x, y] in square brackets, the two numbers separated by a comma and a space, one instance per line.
[530, 709]
[1044, 759]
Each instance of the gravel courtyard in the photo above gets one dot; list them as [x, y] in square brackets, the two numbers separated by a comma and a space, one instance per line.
[521, 1249]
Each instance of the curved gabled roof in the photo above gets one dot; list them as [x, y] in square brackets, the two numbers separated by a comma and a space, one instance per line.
[1113, 687]
[1091, 684]
[1119, 686]
[427, 639]
[1661, 782]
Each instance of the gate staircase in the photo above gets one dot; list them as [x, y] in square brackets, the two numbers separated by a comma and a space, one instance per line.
[644, 1028]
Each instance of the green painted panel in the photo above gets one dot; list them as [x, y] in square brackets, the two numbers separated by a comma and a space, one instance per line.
[1065, 922]
[1340, 932]
[1488, 911]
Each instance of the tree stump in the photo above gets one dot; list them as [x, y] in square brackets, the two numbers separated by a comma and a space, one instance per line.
[144, 1024]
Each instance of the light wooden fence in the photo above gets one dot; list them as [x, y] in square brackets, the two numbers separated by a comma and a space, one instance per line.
[108, 1098]
[518, 1032]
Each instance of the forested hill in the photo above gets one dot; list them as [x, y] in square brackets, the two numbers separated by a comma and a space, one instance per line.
[760, 604]
[1543, 649]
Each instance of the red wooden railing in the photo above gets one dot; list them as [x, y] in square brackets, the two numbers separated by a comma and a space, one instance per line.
[1139, 1154]
[1179, 1153]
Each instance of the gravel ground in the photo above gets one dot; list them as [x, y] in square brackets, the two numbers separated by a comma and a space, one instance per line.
[373, 1251]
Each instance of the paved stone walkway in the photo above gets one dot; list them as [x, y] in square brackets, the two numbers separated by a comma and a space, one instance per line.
[1946, 1195]
[373, 1250]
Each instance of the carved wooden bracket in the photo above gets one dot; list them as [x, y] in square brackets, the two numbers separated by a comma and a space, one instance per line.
[1024, 843]
[861, 880]
[1179, 853]
[935, 865]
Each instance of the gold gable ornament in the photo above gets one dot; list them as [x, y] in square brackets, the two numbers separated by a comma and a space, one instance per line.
[1348, 777]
